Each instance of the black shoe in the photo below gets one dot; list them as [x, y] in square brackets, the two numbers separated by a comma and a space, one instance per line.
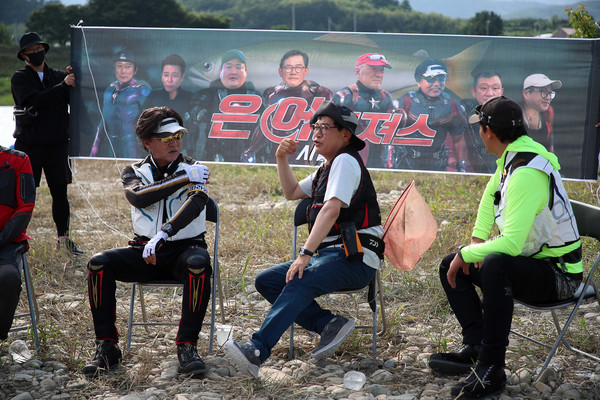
[189, 361]
[108, 356]
[456, 362]
[245, 357]
[334, 333]
[484, 380]
[69, 245]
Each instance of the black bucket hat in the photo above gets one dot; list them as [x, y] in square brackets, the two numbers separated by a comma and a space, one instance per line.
[29, 39]
[343, 116]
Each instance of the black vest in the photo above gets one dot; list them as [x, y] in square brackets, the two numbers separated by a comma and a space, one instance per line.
[363, 209]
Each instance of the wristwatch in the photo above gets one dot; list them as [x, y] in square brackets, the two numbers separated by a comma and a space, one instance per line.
[459, 252]
[305, 252]
[167, 228]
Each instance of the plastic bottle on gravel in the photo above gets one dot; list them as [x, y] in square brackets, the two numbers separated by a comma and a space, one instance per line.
[354, 380]
[19, 351]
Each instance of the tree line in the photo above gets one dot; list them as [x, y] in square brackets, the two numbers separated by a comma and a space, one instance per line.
[52, 19]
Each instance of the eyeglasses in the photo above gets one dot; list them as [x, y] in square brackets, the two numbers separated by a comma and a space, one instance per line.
[170, 138]
[439, 78]
[543, 92]
[321, 129]
[297, 68]
[34, 49]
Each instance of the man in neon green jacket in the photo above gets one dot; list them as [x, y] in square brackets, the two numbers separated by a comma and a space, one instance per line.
[536, 257]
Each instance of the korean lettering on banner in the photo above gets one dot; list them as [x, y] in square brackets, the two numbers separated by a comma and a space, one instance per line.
[240, 94]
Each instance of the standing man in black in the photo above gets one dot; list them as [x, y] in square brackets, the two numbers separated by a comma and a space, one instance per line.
[43, 93]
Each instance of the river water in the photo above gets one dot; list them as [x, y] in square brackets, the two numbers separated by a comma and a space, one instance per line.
[7, 126]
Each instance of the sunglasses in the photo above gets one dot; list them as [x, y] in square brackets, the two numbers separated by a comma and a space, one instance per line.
[170, 138]
[439, 78]
[377, 57]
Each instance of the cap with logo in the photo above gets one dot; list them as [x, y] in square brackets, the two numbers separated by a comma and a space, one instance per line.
[125, 55]
[541, 80]
[233, 54]
[499, 112]
[430, 68]
[167, 127]
[373, 59]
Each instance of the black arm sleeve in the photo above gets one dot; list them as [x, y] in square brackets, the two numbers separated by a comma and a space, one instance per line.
[141, 196]
[190, 210]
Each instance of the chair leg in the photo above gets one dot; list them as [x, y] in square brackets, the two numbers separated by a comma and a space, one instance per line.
[291, 352]
[381, 305]
[374, 332]
[220, 287]
[130, 323]
[31, 299]
[212, 311]
[561, 338]
[143, 305]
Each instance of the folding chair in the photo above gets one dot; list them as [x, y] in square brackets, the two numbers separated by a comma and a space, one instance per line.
[588, 223]
[32, 300]
[212, 215]
[373, 289]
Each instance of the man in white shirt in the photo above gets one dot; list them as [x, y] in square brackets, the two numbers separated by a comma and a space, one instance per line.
[344, 206]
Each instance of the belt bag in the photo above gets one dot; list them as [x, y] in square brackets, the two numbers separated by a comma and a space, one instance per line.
[373, 243]
[25, 115]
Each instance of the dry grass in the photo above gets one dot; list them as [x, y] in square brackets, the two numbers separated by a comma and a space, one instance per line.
[255, 232]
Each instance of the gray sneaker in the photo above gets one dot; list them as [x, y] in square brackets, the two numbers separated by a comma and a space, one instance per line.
[334, 333]
[245, 357]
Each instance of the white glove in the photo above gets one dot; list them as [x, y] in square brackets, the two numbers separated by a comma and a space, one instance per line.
[150, 247]
[197, 173]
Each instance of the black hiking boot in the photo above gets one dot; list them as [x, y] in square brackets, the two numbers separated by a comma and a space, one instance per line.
[108, 356]
[483, 381]
[189, 360]
[456, 362]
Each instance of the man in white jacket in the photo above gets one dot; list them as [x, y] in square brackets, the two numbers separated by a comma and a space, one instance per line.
[168, 195]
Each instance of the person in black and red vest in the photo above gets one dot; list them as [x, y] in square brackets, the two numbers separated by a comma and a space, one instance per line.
[17, 199]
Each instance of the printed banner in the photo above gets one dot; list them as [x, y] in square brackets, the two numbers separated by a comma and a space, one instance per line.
[241, 92]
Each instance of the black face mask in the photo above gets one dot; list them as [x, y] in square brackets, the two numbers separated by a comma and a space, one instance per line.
[37, 58]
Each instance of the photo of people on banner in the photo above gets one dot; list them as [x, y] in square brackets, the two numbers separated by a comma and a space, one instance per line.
[240, 95]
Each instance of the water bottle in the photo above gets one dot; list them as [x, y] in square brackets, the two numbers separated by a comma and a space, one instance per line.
[19, 351]
[354, 380]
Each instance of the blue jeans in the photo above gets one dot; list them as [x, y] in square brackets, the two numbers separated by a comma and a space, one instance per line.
[327, 272]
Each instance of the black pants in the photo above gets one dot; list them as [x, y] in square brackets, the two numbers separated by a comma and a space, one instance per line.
[176, 260]
[54, 161]
[10, 284]
[501, 278]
